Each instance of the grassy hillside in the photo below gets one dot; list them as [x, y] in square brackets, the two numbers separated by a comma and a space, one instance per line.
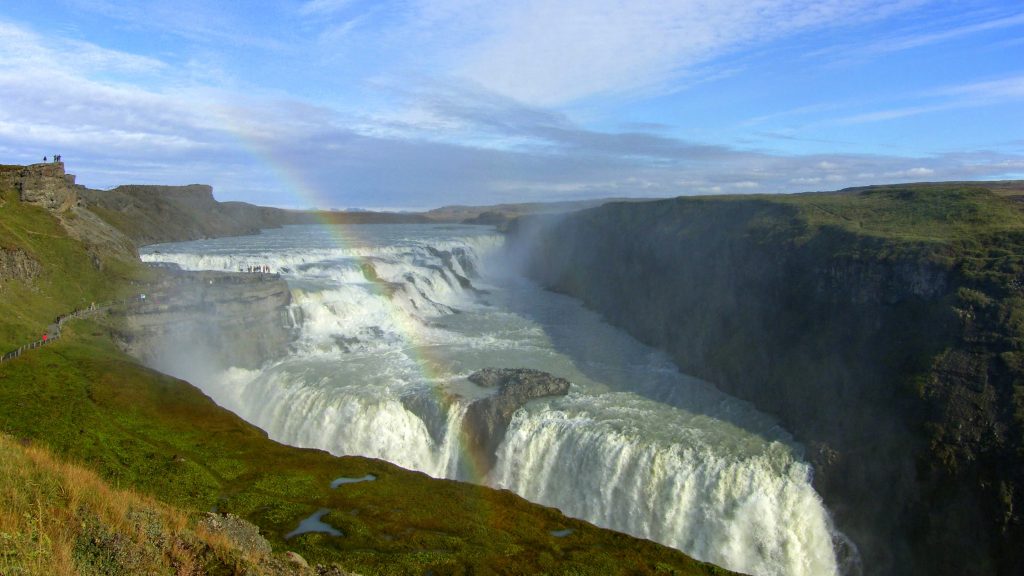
[69, 277]
[161, 436]
[58, 519]
[179, 455]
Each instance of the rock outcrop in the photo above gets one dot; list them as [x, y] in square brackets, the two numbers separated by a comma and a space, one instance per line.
[242, 534]
[16, 264]
[50, 188]
[877, 325]
[44, 185]
[202, 320]
[487, 419]
[255, 549]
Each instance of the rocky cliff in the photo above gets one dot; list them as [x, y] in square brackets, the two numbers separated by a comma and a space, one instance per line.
[16, 264]
[208, 320]
[153, 214]
[883, 326]
[49, 187]
[44, 185]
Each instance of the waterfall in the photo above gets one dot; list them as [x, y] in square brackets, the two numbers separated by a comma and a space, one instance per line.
[391, 326]
[757, 514]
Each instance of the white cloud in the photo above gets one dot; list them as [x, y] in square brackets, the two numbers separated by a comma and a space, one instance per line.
[23, 48]
[337, 32]
[1011, 88]
[550, 52]
[432, 144]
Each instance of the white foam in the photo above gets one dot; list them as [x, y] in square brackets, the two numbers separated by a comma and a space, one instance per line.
[695, 470]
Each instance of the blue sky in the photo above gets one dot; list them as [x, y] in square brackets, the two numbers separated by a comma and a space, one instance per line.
[421, 103]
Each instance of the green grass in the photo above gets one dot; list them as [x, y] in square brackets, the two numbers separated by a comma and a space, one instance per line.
[58, 519]
[902, 213]
[912, 213]
[143, 430]
[69, 279]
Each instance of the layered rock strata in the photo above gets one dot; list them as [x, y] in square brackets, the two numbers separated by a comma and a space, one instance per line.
[217, 318]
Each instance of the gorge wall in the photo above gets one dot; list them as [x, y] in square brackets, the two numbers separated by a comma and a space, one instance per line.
[884, 327]
[153, 214]
[206, 321]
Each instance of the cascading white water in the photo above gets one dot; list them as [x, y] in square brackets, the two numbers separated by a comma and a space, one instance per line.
[391, 327]
[757, 514]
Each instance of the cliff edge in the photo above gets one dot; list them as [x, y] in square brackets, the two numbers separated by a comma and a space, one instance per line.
[883, 326]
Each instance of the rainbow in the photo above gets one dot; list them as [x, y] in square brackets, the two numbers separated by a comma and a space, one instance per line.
[417, 346]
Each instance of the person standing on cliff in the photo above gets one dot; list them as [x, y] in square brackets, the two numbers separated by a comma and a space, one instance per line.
[44, 159]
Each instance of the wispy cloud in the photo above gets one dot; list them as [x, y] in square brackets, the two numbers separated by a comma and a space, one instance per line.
[336, 32]
[23, 48]
[195, 20]
[322, 7]
[920, 39]
[994, 90]
[549, 52]
[971, 95]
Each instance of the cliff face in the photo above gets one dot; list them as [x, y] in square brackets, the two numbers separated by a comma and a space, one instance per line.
[47, 186]
[154, 214]
[890, 347]
[44, 185]
[209, 320]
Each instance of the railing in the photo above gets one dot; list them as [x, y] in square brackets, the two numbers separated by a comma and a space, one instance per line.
[30, 346]
[91, 310]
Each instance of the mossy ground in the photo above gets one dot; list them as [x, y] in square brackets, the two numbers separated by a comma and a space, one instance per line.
[140, 430]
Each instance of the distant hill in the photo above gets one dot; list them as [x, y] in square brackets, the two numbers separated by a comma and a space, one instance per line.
[499, 213]
[150, 214]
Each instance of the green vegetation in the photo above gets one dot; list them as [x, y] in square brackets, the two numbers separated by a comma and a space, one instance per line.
[70, 278]
[57, 519]
[161, 436]
[86, 403]
[929, 213]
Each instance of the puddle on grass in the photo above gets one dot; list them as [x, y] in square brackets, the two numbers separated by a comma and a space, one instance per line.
[314, 524]
[562, 533]
[344, 480]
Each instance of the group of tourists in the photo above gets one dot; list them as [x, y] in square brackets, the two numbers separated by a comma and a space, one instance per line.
[56, 158]
[256, 268]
